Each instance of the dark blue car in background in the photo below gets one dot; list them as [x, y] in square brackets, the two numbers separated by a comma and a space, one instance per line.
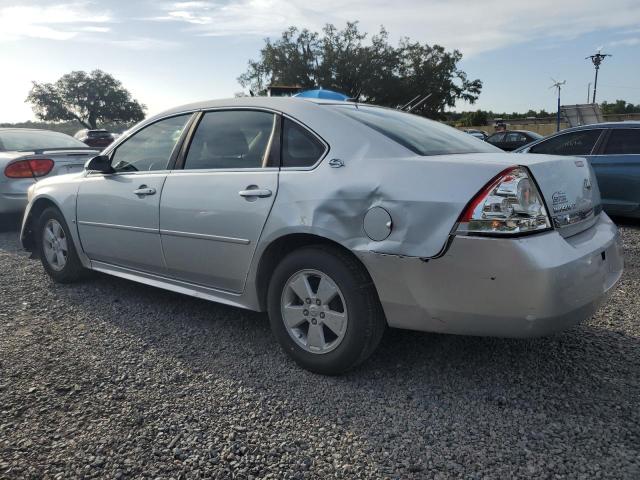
[613, 149]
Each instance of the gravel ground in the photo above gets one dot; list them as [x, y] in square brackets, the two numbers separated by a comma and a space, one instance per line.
[111, 379]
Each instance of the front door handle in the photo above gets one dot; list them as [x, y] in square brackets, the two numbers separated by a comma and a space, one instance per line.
[255, 192]
[144, 190]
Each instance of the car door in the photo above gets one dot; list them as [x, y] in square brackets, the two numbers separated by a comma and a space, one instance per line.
[497, 139]
[617, 167]
[118, 213]
[512, 140]
[212, 211]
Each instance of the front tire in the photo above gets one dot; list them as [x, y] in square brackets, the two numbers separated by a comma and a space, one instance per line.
[324, 309]
[56, 249]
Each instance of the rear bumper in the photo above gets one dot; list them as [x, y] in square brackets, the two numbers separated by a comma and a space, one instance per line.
[524, 287]
[13, 194]
[12, 203]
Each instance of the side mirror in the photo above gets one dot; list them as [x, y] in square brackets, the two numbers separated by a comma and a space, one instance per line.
[101, 163]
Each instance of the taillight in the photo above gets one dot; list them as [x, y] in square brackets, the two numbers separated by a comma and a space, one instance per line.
[509, 204]
[35, 167]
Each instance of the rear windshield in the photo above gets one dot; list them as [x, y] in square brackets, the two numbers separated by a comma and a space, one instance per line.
[98, 134]
[535, 136]
[418, 134]
[16, 140]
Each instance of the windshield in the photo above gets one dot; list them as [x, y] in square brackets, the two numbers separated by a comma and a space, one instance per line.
[16, 140]
[418, 134]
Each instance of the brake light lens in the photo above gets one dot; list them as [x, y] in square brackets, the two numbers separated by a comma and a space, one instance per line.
[510, 204]
[35, 167]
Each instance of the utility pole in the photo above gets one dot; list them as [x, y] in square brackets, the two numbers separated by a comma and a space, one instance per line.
[596, 59]
[558, 85]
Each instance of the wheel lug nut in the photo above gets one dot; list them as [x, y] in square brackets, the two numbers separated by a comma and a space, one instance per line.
[317, 301]
[321, 314]
[314, 321]
[305, 312]
[308, 300]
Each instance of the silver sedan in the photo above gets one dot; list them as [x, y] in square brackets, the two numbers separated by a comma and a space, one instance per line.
[338, 219]
[28, 155]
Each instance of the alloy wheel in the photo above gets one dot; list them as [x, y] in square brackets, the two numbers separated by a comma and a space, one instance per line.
[314, 311]
[54, 243]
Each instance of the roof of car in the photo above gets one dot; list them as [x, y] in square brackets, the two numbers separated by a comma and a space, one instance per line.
[624, 124]
[4, 129]
[517, 131]
[277, 103]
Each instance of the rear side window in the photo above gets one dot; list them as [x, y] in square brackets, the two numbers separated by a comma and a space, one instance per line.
[416, 133]
[516, 137]
[572, 143]
[623, 142]
[300, 148]
[232, 139]
[496, 138]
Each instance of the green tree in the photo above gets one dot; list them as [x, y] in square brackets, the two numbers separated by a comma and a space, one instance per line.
[619, 107]
[376, 71]
[474, 119]
[89, 98]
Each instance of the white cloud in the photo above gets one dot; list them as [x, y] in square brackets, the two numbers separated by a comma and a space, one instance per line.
[626, 42]
[77, 21]
[469, 25]
[95, 29]
[57, 22]
[141, 43]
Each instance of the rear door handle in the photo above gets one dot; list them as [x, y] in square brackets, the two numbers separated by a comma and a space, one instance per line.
[255, 192]
[144, 190]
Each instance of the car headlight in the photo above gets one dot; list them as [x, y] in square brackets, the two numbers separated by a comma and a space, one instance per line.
[509, 204]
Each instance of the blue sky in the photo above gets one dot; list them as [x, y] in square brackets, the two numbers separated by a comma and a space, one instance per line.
[172, 52]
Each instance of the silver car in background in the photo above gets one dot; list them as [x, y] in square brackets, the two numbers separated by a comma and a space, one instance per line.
[28, 155]
[338, 219]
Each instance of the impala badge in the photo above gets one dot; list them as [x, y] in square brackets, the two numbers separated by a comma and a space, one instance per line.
[587, 184]
[561, 203]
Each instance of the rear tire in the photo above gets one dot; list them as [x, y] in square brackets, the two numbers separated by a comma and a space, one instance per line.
[339, 322]
[56, 249]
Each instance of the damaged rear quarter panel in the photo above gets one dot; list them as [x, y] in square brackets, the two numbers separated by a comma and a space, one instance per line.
[423, 195]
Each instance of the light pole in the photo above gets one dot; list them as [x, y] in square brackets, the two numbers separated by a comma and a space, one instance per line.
[596, 59]
[558, 85]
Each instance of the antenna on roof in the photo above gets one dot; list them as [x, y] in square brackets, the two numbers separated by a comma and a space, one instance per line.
[356, 98]
[409, 102]
[418, 103]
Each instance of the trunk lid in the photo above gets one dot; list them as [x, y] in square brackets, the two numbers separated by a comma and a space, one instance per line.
[65, 161]
[569, 188]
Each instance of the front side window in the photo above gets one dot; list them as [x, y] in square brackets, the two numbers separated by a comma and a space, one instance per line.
[624, 142]
[150, 148]
[300, 148]
[232, 139]
[418, 134]
[572, 143]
